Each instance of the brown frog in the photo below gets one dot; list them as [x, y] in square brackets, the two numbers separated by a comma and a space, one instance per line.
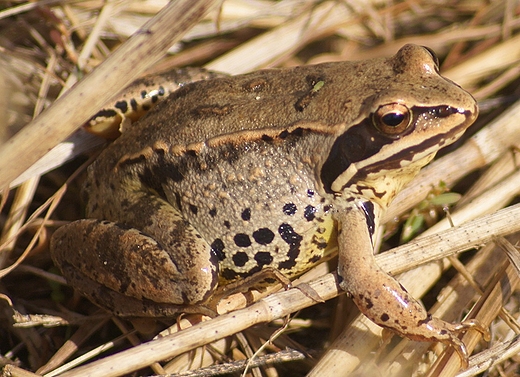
[274, 169]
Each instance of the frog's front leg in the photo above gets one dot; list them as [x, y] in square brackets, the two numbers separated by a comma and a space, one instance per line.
[152, 263]
[380, 297]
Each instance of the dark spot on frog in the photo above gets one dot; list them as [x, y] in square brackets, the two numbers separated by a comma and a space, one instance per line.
[144, 94]
[246, 214]
[289, 209]
[384, 317]
[131, 161]
[426, 320]
[255, 86]
[227, 224]
[149, 179]
[368, 302]
[193, 209]
[361, 188]
[122, 105]
[263, 258]
[288, 234]
[242, 240]
[294, 240]
[297, 132]
[213, 212]
[368, 209]
[240, 259]
[229, 274]
[155, 176]
[134, 105]
[218, 247]
[227, 152]
[315, 259]
[283, 135]
[263, 236]
[310, 193]
[105, 113]
[320, 244]
[309, 213]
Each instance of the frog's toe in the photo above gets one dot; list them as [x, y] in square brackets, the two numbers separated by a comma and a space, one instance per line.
[473, 324]
[461, 350]
[436, 329]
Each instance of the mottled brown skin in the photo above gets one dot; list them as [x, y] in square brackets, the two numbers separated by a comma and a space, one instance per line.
[274, 169]
[141, 96]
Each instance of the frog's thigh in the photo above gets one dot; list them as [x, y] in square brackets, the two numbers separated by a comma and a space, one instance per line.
[174, 266]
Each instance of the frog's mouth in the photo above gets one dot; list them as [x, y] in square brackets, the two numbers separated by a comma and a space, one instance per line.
[362, 150]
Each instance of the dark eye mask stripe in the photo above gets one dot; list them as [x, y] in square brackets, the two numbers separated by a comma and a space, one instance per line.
[363, 141]
[406, 154]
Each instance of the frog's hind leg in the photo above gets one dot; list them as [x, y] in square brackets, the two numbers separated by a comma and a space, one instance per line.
[165, 262]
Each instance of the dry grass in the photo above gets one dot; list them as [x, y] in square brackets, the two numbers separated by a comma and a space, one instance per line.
[45, 47]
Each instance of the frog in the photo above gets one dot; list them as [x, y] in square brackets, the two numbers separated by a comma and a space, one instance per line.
[278, 169]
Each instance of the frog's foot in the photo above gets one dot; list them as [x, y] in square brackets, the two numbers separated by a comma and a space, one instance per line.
[436, 330]
[455, 342]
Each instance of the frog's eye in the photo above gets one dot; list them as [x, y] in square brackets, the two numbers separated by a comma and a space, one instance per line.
[392, 119]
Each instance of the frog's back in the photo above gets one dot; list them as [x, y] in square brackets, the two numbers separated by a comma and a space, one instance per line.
[268, 99]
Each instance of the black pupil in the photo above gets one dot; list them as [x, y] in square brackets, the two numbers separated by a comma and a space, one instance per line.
[393, 119]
